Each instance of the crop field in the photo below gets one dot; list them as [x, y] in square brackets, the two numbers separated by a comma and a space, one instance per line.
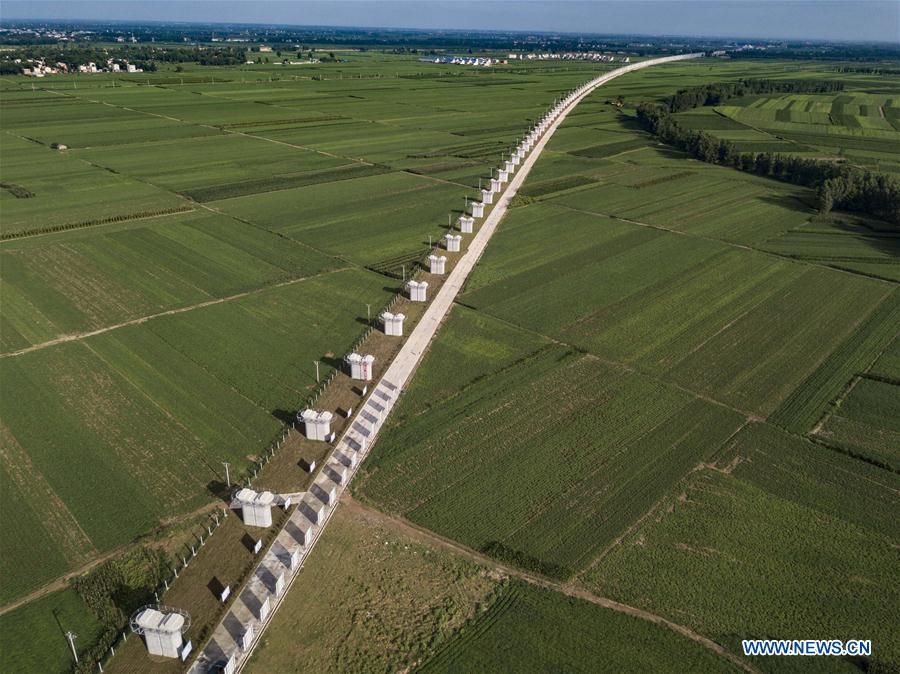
[844, 242]
[888, 364]
[642, 327]
[380, 216]
[794, 539]
[601, 303]
[150, 411]
[857, 126]
[76, 281]
[654, 292]
[528, 628]
[408, 602]
[867, 422]
[210, 227]
[543, 462]
[45, 621]
[65, 190]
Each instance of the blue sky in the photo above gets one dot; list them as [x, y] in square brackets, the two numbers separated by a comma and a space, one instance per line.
[803, 19]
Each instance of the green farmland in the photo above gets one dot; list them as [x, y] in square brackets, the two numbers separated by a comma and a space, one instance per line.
[666, 383]
[171, 275]
[527, 625]
[652, 353]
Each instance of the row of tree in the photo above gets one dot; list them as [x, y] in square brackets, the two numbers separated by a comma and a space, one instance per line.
[867, 70]
[719, 92]
[837, 185]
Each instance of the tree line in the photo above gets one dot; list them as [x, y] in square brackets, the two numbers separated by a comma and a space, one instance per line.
[719, 92]
[837, 185]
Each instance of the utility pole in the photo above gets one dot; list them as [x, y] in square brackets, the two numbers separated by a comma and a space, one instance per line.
[316, 363]
[71, 636]
[227, 476]
[369, 312]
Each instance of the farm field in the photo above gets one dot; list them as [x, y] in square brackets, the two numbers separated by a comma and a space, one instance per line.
[152, 410]
[633, 377]
[407, 602]
[475, 467]
[601, 305]
[58, 189]
[45, 621]
[670, 292]
[843, 242]
[76, 281]
[866, 422]
[213, 231]
[757, 528]
[528, 627]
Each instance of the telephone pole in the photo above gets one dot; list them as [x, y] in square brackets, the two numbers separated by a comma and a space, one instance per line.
[227, 476]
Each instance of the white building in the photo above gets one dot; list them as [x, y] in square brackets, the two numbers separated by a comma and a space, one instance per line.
[496, 185]
[437, 264]
[393, 324]
[161, 631]
[361, 366]
[317, 424]
[256, 507]
[452, 242]
[477, 209]
[503, 175]
[487, 196]
[417, 290]
[466, 222]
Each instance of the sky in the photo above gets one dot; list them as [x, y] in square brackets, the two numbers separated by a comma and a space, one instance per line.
[850, 20]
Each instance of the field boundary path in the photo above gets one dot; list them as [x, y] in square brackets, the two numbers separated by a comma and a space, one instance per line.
[236, 635]
[571, 589]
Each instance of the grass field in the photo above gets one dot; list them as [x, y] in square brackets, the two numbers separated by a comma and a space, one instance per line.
[400, 599]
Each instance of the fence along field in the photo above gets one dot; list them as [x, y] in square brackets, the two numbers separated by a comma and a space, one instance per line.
[783, 538]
